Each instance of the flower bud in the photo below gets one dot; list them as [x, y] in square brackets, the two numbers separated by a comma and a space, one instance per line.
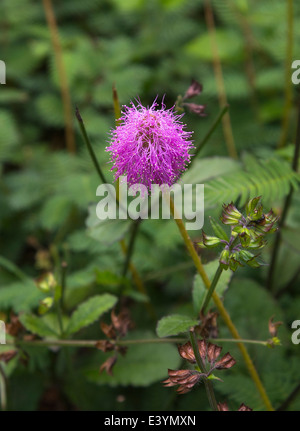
[233, 264]
[224, 259]
[258, 242]
[46, 283]
[231, 214]
[245, 237]
[245, 255]
[45, 305]
[210, 241]
[275, 341]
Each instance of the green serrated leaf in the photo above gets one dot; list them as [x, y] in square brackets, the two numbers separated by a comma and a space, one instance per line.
[174, 324]
[37, 325]
[20, 296]
[89, 311]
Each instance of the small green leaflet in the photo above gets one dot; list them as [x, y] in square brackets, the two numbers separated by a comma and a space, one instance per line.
[174, 324]
[89, 311]
[37, 325]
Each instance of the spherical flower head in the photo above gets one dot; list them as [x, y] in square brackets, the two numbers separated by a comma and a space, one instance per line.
[150, 145]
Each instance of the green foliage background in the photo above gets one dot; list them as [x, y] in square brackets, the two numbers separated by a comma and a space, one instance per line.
[147, 48]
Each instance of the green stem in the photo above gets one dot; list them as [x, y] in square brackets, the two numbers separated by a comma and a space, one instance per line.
[64, 267]
[286, 207]
[288, 97]
[92, 153]
[13, 269]
[288, 286]
[211, 289]
[232, 340]
[130, 248]
[92, 343]
[289, 399]
[277, 241]
[89, 146]
[210, 132]
[117, 108]
[59, 317]
[60, 299]
[208, 384]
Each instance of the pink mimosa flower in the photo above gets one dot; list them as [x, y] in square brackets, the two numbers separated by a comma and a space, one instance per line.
[150, 145]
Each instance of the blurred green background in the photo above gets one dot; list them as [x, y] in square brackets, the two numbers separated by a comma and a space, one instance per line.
[145, 48]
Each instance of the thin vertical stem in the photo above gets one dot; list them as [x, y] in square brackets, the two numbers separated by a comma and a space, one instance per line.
[138, 281]
[221, 309]
[209, 133]
[117, 111]
[286, 207]
[89, 146]
[211, 289]
[127, 251]
[207, 383]
[58, 304]
[65, 94]
[92, 153]
[227, 129]
[288, 286]
[289, 399]
[64, 267]
[117, 108]
[130, 248]
[288, 98]
[59, 317]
